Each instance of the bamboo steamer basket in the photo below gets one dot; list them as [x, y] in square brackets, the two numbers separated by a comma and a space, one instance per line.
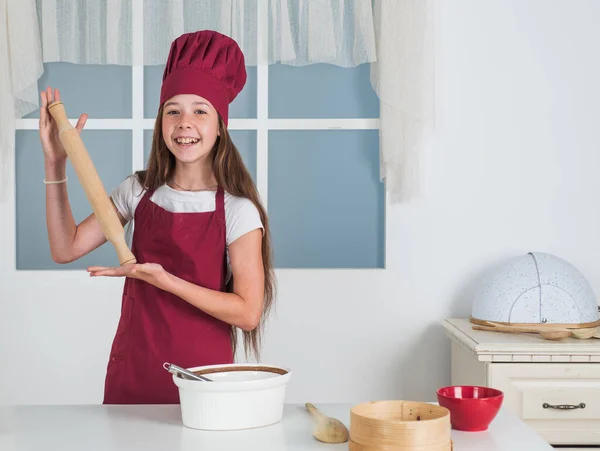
[399, 426]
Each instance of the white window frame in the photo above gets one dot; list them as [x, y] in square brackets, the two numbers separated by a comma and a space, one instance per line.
[262, 124]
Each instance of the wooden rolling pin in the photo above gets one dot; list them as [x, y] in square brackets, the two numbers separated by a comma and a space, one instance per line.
[92, 185]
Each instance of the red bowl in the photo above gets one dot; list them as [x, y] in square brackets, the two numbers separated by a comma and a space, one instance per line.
[472, 408]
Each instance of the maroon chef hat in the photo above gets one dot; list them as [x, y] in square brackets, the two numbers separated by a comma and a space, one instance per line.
[208, 64]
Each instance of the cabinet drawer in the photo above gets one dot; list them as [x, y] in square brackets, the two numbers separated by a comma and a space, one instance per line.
[560, 400]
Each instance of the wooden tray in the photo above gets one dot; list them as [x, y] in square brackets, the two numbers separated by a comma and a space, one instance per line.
[540, 326]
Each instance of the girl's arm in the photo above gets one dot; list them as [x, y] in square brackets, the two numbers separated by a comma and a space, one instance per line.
[242, 308]
[68, 241]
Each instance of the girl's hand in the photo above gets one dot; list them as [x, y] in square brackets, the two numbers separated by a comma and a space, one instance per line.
[152, 273]
[53, 148]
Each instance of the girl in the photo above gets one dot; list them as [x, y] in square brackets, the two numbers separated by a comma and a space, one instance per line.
[201, 235]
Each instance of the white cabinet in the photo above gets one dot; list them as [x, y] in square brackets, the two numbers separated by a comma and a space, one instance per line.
[554, 386]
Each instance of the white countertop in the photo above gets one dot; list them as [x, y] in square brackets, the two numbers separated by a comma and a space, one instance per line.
[153, 428]
[494, 346]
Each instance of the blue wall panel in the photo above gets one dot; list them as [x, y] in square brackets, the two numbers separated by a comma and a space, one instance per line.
[98, 90]
[325, 200]
[321, 91]
[326, 203]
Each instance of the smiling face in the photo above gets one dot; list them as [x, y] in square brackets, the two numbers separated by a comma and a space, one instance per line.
[190, 126]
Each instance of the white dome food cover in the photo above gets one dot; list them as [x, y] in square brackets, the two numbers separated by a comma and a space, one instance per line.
[536, 288]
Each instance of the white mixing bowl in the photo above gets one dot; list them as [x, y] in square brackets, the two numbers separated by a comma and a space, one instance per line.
[240, 396]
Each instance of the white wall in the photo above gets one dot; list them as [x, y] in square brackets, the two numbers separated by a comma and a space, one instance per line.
[513, 168]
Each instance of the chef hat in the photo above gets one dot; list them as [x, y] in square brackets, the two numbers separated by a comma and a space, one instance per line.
[208, 64]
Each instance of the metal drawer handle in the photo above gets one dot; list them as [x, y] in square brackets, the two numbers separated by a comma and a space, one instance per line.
[564, 406]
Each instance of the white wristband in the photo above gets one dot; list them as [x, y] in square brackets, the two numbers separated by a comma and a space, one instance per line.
[55, 182]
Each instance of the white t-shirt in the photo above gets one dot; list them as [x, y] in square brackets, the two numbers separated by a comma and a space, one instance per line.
[241, 215]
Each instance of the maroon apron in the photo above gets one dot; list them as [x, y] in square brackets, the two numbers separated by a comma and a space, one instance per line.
[156, 326]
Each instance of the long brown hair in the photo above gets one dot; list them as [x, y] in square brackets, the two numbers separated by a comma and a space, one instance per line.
[232, 175]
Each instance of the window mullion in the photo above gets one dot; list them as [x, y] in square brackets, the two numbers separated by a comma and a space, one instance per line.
[262, 101]
[137, 85]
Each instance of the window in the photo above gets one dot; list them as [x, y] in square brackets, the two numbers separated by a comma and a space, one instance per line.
[307, 134]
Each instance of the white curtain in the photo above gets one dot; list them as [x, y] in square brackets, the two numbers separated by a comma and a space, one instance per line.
[20, 68]
[165, 20]
[340, 32]
[403, 78]
[394, 37]
[335, 32]
[91, 32]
